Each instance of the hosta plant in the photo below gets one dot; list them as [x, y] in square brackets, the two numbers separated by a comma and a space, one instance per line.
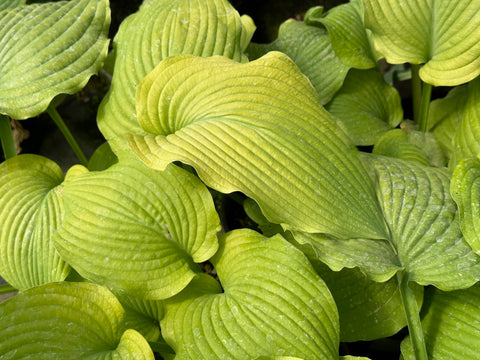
[358, 222]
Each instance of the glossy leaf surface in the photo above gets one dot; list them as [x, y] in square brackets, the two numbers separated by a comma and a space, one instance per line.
[31, 210]
[158, 30]
[443, 34]
[65, 321]
[273, 304]
[49, 49]
[258, 128]
[137, 230]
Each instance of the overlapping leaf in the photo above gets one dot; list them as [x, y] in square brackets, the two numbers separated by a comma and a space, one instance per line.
[367, 105]
[137, 230]
[49, 49]
[350, 40]
[68, 321]
[465, 190]
[443, 34]
[311, 50]
[425, 241]
[160, 29]
[258, 128]
[451, 326]
[31, 209]
[273, 304]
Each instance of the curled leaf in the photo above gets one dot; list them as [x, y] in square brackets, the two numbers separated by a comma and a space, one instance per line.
[273, 304]
[49, 49]
[257, 128]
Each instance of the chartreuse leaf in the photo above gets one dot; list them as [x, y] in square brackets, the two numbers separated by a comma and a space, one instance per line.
[411, 145]
[445, 116]
[49, 49]
[160, 29]
[257, 128]
[10, 4]
[442, 34]
[368, 310]
[465, 190]
[273, 304]
[31, 210]
[367, 105]
[311, 50]
[467, 136]
[451, 325]
[137, 230]
[68, 321]
[426, 243]
[350, 40]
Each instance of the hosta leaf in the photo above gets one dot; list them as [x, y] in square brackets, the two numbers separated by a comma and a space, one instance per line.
[31, 209]
[102, 158]
[367, 105]
[425, 239]
[350, 39]
[443, 34]
[10, 4]
[467, 136]
[311, 50]
[137, 230]
[451, 326]
[68, 321]
[273, 304]
[49, 49]
[445, 116]
[257, 128]
[465, 190]
[160, 29]
[411, 145]
[368, 310]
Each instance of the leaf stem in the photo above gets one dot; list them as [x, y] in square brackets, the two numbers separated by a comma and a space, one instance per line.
[52, 111]
[6, 137]
[416, 91]
[425, 107]
[413, 317]
[6, 289]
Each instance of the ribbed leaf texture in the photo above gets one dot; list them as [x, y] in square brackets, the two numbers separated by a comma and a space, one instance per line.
[273, 304]
[10, 4]
[68, 321]
[258, 128]
[425, 241]
[31, 210]
[49, 49]
[158, 30]
[443, 34]
[450, 325]
[137, 230]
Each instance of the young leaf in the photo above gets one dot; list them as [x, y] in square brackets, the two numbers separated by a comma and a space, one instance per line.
[465, 191]
[160, 29]
[137, 230]
[68, 321]
[31, 210]
[451, 325]
[425, 240]
[367, 105]
[257, 128]
[311, 50]
[49, 49]
[273, 304]
[350, 40]
[443, 34]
